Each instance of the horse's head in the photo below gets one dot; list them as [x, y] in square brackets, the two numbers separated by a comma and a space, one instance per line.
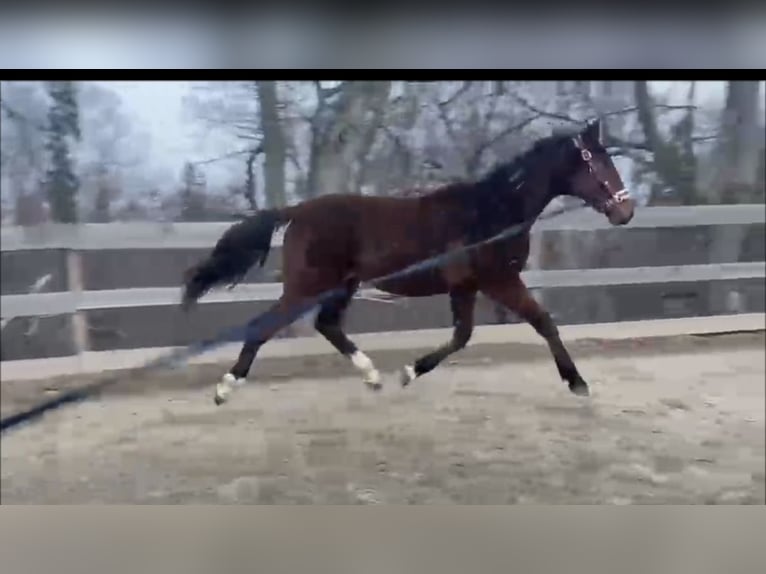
[593, 177]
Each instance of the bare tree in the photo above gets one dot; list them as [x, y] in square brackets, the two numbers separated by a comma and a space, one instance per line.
[273, 144]
[438, 132]
[673, 158]
[343, 129]
[192, 194]
[669, 156]
[399, 161]
[250, 180]
[249, 113]
[61, 182]
[491, 123]
[394, 162]
[740, 148]
[109, 149]
[23, 108]
[732, 172]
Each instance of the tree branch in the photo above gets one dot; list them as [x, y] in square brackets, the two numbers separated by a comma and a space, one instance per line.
[483, 147]
[567, 118]
[460, 91]
[544, 113]
[492, 109]
[293, 158]
[251, 150]
[509, 130]
[397, 141]
[330, 92]
[16, 115]
[241, 125]
[324, 93]
[444, 116]
[631, 109]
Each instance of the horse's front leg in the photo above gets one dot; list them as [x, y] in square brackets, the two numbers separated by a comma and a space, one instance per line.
[512, 293]
[462, 303]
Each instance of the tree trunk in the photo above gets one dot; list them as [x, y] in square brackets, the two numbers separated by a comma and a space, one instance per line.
[738, 155]
[250, 191]
[376, 109]
[274, 144]
[398, 169]
[102, 205]
[669, 162]
[342, 133]
[739, 152]
[29, 209]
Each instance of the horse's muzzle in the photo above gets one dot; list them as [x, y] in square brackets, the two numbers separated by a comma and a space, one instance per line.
[620, 212]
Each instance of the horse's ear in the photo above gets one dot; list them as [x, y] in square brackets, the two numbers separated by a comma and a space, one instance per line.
[592, 132]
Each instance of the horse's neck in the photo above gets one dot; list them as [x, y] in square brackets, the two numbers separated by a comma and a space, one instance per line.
[523, 204]
[536, 204]
[486, 211]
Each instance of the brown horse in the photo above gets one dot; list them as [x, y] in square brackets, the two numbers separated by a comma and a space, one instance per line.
[342, 240]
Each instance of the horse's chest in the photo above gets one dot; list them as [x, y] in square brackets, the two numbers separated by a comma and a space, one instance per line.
[503, 255]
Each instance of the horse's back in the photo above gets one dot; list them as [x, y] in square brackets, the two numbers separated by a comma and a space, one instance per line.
[333, 236]
[337, 234]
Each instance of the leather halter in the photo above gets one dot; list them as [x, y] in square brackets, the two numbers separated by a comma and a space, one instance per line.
[615, 197]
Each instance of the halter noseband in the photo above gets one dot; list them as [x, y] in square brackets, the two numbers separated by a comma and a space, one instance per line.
[616, 197]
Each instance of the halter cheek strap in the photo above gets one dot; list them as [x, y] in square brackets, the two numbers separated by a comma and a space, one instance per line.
[615, 196]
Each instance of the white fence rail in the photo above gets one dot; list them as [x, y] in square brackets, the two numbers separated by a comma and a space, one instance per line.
[100, 237]
[154, 236]
[43, 304]
[104, 361]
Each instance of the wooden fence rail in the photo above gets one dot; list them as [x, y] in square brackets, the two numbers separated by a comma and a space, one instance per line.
[77, 239]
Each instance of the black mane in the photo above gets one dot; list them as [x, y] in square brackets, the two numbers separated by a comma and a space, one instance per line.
[523, 162]
[513, 191]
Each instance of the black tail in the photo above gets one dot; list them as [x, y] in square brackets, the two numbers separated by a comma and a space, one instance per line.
[242, 246]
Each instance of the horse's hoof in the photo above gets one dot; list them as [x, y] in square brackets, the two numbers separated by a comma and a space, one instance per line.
[225, 387]
[579, 388]
[407, 375]
[373, 380]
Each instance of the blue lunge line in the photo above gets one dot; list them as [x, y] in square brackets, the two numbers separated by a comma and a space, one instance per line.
[271, 320]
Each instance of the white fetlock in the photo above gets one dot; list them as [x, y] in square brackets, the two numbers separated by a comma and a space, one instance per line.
[372, 378]
[371, 374]
[226, 386]
[408, 375]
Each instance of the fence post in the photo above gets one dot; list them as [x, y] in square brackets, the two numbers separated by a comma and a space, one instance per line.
[78, 320]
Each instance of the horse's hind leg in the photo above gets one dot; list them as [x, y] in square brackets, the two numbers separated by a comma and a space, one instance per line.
[512, 293]
[329, 324]
[462, 304]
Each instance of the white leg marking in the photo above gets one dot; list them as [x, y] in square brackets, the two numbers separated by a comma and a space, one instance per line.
[226, 386]
[408, 375]
[365, 364]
